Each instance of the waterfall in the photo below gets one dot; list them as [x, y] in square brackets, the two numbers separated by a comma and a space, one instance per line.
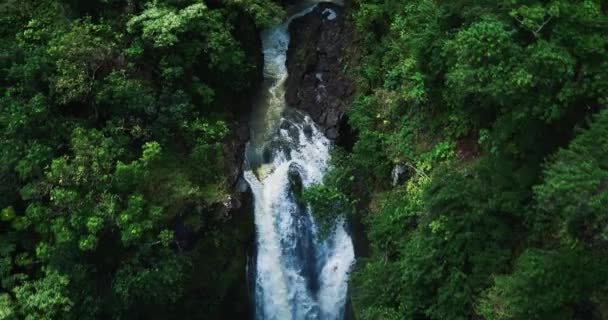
[297, 274]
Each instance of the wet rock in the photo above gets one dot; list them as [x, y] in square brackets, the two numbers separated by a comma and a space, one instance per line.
[285, 125]
[332, 133]
[295, 180]
[318, 52]
[267, 155]
[234, 150]
[242, 186]
[294, 133]
[400, 174]
[307, 131]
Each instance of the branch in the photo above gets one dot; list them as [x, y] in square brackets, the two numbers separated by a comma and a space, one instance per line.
[418, 171]
[536, 33]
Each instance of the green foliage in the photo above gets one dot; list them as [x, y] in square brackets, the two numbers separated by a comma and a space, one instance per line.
[475, 99]
[6, 308]
[327, 203]
[265, 13]
[113, 122]
[7, 214]
[44, 299]
[163, 27]
[157, 283]
[80, 54]
[523, 294]
[573, 196]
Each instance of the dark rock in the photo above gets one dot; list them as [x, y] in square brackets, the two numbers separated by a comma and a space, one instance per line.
[242, 186]
[293, 133]
[285, 125]
[234, 150]
[332, 133]
[348, 136]
[401, 173]
[295, 180]
[316, 60]
[267, 155]
[307, 131]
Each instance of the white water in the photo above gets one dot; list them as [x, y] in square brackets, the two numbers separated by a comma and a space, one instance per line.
[297, 276]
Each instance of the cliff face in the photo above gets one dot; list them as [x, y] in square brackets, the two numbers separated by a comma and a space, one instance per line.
[317, 61]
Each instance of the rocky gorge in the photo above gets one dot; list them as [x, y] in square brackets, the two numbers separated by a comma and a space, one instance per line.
[318, 60]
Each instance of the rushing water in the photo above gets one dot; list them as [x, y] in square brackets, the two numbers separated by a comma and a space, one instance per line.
[297, 275]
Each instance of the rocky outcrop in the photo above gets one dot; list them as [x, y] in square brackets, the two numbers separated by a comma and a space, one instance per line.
[234, 156]
[317, 60]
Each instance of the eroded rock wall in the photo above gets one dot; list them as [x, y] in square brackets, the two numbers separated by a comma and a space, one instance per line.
[320, 53]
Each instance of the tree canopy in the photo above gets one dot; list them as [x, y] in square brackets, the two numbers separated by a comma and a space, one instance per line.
[108, 112]
[496, 113]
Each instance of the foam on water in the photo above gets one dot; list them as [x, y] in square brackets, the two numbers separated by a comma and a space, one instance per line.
[297, 275]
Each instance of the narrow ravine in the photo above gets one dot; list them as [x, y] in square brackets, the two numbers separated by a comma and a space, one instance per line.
[297, 275]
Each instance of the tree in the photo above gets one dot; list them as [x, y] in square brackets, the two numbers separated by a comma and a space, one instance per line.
[573, 276]
[45, 299]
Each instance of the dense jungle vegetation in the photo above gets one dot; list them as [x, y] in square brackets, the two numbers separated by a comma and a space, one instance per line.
[495, 112]
[114, 121]
[113, 118]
